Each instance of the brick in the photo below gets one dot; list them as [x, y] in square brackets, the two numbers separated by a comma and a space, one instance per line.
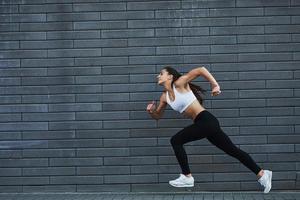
[9, 9]
[282, 65]
[225, 12]
[208, 4]
[177, 32]
[10, 81]
[100, 43]
[48, 98]
[154, 23]
[9, 27]
[269, 93]
[271, 29]
[23, 18]
[49, 171]
[48, 8]
[10, 172]
[266, 38]
[282, 10]
[270, 148]
[96, 25]
[75, 143]
[40, 162]
[91, 34]
[259, 3]
[122, 133]
[155, 59]
[48, 153]
[49, 188]
[154, 41]
[284, 120]
[283, 139]
[47, 62]
[48, 117]
[104, 188]
[266, 111]
[264, 57]
[130, 142]
[47, 81]
[132, 33]
[10, 135]
[101, 79]
[54, 71]
[46, 44]
[130, 179]
[23, 72]
[263, 20]
[104, 152]
[74, 53]
[74, 125]
[237, 30]
[246, 48]
[153, 5]
[128, 51]
[6, 153]
[101, 61]
[173, 50]
[23, 126]
[101, 98]
[71, 162]
[47, 26]
[128, 124]
[267, 130]
[131, 69]
[24, 180]
[58, 180]
[103, 170]
[53, 17]
[127, 15]
[181, 13]
[41, 135]
[9, 45]
[224, 21]
[119, 161]
[282, 84]
[24, 53]
[283, 47]
[23, 36]
[102, 115]
[266, 75]
[99, 7]
[210, 58]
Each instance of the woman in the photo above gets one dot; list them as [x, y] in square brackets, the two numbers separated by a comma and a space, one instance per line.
[185, 97]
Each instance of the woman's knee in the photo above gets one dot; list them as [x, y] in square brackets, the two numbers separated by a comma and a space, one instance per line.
[175, 141]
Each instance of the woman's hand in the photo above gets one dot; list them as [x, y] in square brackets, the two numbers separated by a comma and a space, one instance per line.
[151, 107]
[215, 90]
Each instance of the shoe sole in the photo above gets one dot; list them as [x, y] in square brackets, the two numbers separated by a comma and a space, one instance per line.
[181, 186]
[270, 186]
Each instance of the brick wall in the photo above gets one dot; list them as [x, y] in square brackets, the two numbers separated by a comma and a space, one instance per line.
[76, 76]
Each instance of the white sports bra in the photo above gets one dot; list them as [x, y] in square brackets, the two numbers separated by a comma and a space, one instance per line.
[182, 100]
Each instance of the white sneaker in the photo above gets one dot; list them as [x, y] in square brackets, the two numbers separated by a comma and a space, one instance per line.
[266, 181]
[183, 181]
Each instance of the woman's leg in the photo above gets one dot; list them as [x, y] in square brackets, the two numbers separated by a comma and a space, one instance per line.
[223, 142]
[188, 134]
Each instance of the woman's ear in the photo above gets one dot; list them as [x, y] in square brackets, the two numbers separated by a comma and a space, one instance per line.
[170, 76]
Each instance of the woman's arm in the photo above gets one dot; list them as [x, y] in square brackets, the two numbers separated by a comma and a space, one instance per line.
[156, 113]
[200, 71]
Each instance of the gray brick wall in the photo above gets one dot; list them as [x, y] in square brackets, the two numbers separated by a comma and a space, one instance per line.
[76, 76]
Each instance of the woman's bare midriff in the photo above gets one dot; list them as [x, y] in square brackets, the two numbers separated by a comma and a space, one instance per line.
[193, 110]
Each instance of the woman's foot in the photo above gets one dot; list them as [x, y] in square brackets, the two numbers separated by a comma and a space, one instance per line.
[266, 180]
[183, 181]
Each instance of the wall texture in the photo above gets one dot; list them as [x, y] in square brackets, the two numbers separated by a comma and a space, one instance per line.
[76, 76]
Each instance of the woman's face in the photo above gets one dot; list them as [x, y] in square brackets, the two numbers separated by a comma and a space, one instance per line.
[163, 76]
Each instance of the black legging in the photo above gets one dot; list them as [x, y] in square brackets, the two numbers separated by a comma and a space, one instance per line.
[207, 126]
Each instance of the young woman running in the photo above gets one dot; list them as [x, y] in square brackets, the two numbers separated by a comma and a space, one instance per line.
[185, 97]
